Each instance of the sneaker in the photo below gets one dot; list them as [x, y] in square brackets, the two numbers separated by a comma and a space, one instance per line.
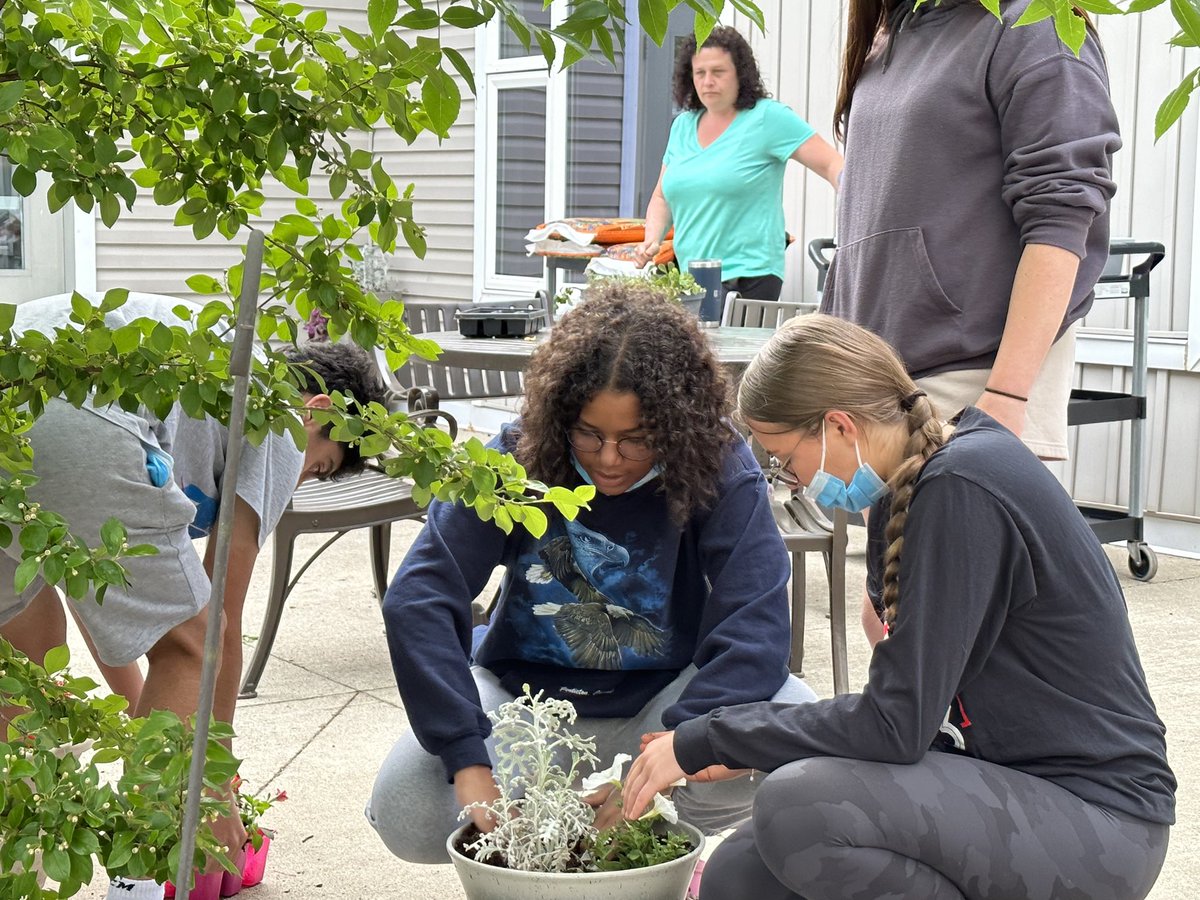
[121, 888]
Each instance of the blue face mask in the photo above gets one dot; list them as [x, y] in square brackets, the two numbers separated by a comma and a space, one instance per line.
[863, 490]
[654, 472]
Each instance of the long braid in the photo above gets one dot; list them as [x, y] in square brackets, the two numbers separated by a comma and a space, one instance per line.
[924, 439]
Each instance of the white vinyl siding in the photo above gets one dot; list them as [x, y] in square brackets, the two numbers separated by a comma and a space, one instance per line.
[145, 251]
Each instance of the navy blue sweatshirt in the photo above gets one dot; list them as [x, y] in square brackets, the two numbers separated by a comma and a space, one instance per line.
[604, 611]
[1012, 644]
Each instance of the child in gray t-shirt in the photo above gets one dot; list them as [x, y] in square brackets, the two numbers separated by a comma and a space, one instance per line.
[162, 477]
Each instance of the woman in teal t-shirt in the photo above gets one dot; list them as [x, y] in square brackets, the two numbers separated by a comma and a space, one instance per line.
[722, 176]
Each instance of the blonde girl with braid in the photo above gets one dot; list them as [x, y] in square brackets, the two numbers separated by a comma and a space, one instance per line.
[1005, 744]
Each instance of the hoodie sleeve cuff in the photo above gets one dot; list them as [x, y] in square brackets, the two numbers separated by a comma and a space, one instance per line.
[693, 751]
[466, 751]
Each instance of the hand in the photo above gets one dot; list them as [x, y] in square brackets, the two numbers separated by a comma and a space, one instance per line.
[475, 784]
[711, 773]
[1008, 412]
[607, 803]
[655, 770]
[645, 252]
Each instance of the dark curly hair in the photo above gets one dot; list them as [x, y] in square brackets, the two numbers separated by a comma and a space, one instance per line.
[343, 367]
[723, 37]
[628, 338]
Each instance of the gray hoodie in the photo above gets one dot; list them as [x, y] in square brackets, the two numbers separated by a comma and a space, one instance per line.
[976, 139]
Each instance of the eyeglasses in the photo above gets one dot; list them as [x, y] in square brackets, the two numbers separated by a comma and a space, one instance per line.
[782, 473]
[781, 470]
[634, 449]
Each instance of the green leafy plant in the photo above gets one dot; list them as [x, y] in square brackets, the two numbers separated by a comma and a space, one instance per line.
[667, 280]
[252, 807]
[61, 814]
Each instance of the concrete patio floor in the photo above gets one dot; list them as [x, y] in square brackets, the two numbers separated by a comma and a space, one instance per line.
[328, 711]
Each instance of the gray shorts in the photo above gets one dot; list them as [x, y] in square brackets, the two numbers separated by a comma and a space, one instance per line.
[92, 470]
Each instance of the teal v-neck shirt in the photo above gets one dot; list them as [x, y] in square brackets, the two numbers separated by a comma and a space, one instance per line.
[726, 199]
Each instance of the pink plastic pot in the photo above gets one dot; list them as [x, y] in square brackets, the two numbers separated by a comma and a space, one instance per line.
[208, 887]
[231, 882]
[256, 861]
[211, 886]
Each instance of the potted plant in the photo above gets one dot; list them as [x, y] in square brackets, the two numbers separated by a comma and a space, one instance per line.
[545, 843]
[668, 280]
[60, 816]
[258, 840]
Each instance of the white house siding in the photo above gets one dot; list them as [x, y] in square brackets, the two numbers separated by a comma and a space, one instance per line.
[145, 251]
[1156, 200]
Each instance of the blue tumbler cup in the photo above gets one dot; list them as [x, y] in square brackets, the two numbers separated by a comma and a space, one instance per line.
[707, 273]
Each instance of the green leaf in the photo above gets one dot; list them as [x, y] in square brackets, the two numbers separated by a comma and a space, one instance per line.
[110, 210]
[1187, 14]
[653, 18]
[463, 17]
[277, 149]
[204, 284]
[224, 98]
[460, 65]
[24, 181]
[420, 19]
[57, 863]
[57, 659]
[1174, 104]
[155, 30]
[442, 101]
[8, 315]
[1141, 6]
[33, 537]
[10, 95]
[1033, 14]
[112, 535]
[1100, 7]
[380, 15]
[26, 572]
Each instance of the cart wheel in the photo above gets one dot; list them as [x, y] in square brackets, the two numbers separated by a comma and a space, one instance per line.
[1143, 561]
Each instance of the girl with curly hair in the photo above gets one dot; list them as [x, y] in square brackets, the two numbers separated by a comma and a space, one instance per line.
[666, 599]
[1006, 744]
[722, 174]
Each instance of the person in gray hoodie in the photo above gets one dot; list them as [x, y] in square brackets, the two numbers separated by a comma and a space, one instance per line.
[973, 214]
[1006, 744]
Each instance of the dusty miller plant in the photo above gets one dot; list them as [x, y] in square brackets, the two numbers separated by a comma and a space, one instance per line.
[543, 822]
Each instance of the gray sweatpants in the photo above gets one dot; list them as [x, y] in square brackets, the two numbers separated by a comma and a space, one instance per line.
[946, 828]
[413, 807]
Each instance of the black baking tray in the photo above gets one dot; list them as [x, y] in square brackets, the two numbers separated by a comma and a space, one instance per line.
[501, 320]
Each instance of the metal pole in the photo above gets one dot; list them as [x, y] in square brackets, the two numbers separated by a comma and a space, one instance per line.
[239, 370]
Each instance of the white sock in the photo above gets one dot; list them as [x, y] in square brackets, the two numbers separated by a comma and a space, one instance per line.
[121, 888]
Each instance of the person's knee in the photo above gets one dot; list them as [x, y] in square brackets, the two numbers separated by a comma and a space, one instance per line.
[803, 806]
[184, 644]
[409, 808]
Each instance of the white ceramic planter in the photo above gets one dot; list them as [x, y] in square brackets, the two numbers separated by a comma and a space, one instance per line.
[668, 881]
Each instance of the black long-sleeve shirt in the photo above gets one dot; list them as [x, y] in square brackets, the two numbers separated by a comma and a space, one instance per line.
[1012, 644]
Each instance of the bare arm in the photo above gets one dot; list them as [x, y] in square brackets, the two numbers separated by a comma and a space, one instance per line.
[819, 156]
[1040, 294]
[658, 220]
[243, 553]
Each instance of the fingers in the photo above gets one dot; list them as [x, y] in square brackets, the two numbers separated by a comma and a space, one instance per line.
[483, 819]
[648, 737]
[600, 796]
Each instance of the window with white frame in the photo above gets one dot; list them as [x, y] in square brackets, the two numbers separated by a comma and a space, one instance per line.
[12, 220]
[548, 144]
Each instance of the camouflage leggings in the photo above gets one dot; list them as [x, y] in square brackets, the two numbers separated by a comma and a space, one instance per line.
[947, 827]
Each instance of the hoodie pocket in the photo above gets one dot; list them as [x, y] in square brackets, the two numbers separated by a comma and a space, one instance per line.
[885, 282]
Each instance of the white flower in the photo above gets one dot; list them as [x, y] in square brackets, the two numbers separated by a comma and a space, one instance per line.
[663, 806]
[611, 775]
